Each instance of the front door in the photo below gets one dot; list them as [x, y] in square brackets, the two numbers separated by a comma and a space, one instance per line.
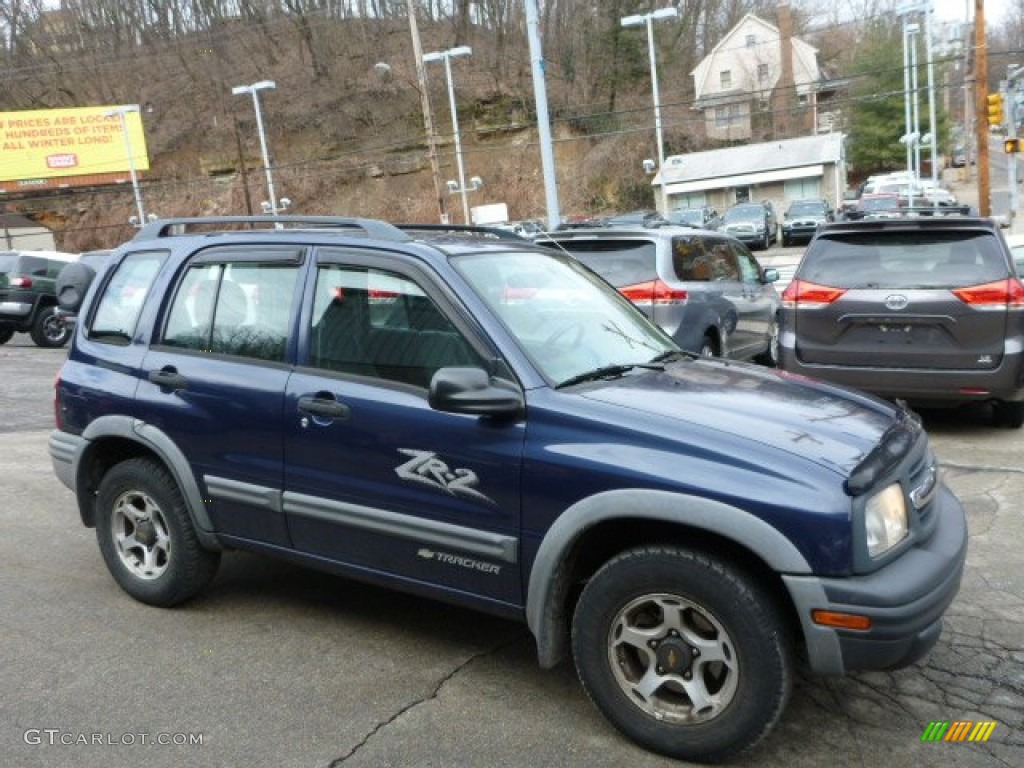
[375, 478]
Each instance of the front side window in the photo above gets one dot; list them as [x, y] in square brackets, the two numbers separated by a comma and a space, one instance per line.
[747, 264]
[235, 308]
[375, 323]
[120, 304]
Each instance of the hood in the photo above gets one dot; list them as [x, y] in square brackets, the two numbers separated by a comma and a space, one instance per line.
[819, 422]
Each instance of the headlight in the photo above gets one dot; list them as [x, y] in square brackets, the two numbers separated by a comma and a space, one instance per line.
[885, 520]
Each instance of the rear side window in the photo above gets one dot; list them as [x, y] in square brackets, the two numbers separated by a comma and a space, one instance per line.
[620, 262]
[240, 308]
[697, 260]
[124, 295]
[917, 259]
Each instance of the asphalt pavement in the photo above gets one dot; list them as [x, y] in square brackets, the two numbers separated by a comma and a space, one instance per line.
[278, 666]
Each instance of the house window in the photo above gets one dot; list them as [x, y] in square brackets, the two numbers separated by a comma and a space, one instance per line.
[729, 115]
[726, 78]
[742, 194]
[762, 73]
[751, 41]
[802, 99]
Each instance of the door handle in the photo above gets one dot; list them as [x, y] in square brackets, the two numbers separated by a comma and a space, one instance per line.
[319, 405]
[168, 378]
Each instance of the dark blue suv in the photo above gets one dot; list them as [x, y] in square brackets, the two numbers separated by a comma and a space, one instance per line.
[488, 422]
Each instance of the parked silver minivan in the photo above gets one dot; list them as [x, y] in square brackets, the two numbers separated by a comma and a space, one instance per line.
[704, 288]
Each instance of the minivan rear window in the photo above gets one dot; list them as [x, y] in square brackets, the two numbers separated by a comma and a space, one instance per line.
[620, 262]
[914, 259]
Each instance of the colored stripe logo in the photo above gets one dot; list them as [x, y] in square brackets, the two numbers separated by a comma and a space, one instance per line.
[958, 730]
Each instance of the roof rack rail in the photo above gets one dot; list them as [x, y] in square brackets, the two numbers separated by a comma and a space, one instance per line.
[161, 228]
[462, 229]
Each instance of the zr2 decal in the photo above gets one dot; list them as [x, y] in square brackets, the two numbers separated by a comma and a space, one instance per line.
[426, 468]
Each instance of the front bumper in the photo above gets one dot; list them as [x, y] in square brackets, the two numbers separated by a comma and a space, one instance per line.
[905, 601]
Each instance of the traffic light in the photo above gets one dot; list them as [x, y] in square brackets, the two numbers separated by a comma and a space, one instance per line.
[995, 108]
[1011, 145]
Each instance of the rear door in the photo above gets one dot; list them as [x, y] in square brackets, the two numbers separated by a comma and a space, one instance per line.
[906, 299]
[214, 381]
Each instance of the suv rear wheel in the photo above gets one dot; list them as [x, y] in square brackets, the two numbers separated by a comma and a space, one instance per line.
[49, 329]
[682, 652]
[146, 535]
[6, 334]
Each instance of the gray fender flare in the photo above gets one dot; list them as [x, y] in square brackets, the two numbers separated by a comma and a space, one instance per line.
[168, 452]
[548, 585]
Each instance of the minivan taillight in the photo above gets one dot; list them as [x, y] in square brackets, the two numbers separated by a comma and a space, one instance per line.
[1002, 294]
[802, 292]
[654, 292]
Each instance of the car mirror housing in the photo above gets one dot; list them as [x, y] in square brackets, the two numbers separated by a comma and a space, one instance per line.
[472, 391]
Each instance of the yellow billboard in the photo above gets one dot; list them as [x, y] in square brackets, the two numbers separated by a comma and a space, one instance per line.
[50, 143]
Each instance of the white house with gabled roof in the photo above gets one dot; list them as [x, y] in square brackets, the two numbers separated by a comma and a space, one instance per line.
[745, 77]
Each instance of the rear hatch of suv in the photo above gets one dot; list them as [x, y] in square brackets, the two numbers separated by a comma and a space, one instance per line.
[911, 299]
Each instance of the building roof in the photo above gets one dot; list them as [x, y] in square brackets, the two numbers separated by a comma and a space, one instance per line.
[752, 163]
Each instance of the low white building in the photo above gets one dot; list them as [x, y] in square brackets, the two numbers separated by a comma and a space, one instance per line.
[779, 171]
[18, 233]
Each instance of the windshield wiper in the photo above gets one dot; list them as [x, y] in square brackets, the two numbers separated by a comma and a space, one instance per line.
[607, 372]
[671, 355]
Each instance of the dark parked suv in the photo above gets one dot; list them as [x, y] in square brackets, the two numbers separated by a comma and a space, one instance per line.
[751, 223]
[487, 422]
[803, 217]
[703, 288]
[28, 302]
[925, 309]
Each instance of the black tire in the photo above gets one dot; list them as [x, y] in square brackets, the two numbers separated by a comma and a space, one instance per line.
[6, 334]
[785, 241]
[155, 555]
[49, 329]
[1008, 414]
[743, 674]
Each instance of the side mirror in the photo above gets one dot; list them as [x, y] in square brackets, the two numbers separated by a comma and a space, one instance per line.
[73, 283]
[472, 391]
[771, 275]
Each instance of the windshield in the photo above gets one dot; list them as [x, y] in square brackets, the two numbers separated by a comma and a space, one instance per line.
[744, 213]
[800, 209]
[689, 216]
[564, 317]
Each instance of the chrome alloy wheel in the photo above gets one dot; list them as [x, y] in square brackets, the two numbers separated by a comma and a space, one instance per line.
[141, 536]
[673, 659]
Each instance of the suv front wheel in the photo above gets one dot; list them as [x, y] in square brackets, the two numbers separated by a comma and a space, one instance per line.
[146, 536]
[49, 329]
[682, 652]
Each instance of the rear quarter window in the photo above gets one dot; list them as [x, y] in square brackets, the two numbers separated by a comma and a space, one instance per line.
[123, 296]
[912, 259]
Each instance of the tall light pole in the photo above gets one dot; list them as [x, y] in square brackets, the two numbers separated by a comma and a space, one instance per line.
[648, 19]
[446, 57]
[121, 112]
[254, 89]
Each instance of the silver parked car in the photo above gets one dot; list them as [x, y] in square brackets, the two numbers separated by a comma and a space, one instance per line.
[752, 223]
[929, 310]
[703, 288]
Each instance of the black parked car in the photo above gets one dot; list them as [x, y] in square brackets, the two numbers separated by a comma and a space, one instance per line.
[751, 223]
[803, 217]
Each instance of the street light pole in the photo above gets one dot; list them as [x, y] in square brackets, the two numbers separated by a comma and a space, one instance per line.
[254, 90]
[121, 112]
[648, 20]
[446, 57]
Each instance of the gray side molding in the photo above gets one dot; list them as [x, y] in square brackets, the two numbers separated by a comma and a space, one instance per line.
[172, 457]
[548, 587]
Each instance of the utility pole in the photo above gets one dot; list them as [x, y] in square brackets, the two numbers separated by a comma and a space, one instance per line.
[428, 119]
[981, 108]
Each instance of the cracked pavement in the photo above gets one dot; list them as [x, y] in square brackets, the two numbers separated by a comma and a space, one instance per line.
[279, 666]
